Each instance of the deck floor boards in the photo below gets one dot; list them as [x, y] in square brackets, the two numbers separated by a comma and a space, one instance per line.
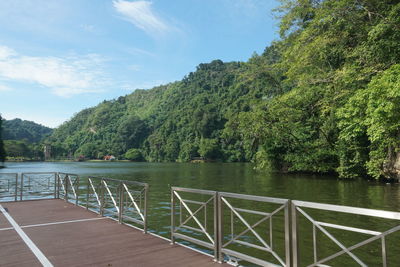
[98, 242]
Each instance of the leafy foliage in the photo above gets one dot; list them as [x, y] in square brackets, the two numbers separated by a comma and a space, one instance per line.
[324, 98]
[18, 129]
[134, 154]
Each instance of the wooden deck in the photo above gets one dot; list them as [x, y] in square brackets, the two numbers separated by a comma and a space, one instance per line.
[68, 235]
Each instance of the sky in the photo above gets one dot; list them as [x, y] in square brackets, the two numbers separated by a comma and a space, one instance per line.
[59, 57]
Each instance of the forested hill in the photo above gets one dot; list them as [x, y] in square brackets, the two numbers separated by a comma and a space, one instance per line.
[323, 98]
[30, 131]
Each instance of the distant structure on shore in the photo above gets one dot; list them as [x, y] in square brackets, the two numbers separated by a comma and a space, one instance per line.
[109, 157]
[47, 151]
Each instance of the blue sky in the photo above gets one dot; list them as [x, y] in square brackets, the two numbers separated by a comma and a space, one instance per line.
[58, 57]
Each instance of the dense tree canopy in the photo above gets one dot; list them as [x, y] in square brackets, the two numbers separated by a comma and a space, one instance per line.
[18, 129]
[323, 98]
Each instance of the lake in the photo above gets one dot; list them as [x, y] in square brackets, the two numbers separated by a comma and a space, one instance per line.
[232, 177]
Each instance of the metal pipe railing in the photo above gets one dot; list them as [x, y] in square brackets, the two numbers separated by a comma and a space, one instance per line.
[216, 239]
[38, 185]
[225, 233]
[260, 242]
[205, 215]
[128, 200]
[198, 217]
[9, 186]
[299, 208]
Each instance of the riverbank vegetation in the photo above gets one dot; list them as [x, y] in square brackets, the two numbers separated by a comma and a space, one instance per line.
[323, 98]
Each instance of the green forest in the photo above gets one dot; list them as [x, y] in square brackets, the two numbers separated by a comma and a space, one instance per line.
[23, 139]
[324, 98]
[30, 131]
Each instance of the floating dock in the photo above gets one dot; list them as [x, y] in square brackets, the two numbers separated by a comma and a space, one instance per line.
[59, 219]
[59, 233]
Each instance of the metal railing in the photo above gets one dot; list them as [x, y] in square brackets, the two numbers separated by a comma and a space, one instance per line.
[195, 225]
[258, 231]
[202, 222]
[38, 185]
[267, 229]
[68, 187]
[125, 201]
[9, 186]
[298, 207]
[229, 225]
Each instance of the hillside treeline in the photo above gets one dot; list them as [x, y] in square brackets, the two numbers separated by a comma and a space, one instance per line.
[30, 131]
[323, 98]
[22, 139]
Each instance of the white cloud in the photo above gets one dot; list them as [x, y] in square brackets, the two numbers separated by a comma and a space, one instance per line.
[137, 51]
[65, 77]
[140, 14]
[134, 67]
[4, 88]
[6, 52]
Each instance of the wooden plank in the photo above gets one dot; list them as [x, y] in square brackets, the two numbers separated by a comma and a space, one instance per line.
[14, 252]
[45, 211]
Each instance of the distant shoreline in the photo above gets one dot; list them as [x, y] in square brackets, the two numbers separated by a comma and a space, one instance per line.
[70, 160]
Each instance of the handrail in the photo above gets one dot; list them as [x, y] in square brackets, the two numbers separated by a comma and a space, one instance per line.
[68, 183]
[127, 204]
[216, 240]
[38, 185]
[12, 181]
[129, 198]
[224, 200]
[210, 241]
[298, 208]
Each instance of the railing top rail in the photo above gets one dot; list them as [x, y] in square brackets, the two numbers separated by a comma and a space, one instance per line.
[66, 173]
[347, 209]
[254, 198]
[191, 190]
[8, 173]
[26, 173]
[123, 181]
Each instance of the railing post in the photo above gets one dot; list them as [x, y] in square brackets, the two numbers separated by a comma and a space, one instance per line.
[216, 228]
[77, 191]
[58, 185]
[172, 216]
[66, 187]
[220, 231]
[295, 256]
[101, 197]
[22, 186]
[55, 185]
[120, 203]
[287, 233]
[146, 203]
[16, 186]
[87, 193]
[384, 258]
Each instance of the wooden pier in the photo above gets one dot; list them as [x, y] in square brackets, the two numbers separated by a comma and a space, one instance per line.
[103, 222]
[68, 235]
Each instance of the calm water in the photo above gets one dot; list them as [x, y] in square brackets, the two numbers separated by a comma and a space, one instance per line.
[239, 178]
